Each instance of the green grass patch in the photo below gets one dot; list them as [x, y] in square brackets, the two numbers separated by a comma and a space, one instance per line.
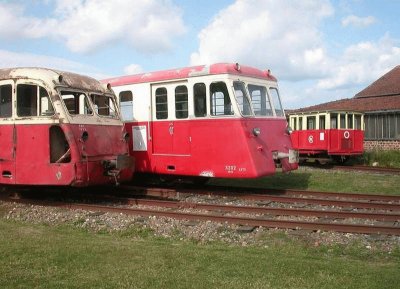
[37, 256]
[322, 180]
[382, 158]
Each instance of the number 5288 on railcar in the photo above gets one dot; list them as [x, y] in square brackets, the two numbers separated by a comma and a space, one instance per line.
[219, 120]
[60, 128]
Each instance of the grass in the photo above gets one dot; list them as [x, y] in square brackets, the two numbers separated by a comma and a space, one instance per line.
[66, 256]
[322, 180]
[390, 158]
[37, 256]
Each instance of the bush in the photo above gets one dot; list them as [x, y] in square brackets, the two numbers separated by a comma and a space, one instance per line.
[389, 158]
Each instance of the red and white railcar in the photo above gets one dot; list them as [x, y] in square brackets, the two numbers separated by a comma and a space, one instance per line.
[60, 128]
[335, 134]
[221, 120]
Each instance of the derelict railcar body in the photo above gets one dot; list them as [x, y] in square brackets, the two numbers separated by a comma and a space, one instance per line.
[335, 134]
[59, 128]
[222, 120]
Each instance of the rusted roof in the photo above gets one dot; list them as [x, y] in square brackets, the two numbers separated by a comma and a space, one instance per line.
[388, 84]
[52, 76]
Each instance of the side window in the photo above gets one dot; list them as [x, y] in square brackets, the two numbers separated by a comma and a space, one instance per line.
[334, 121]
[181, 102]
[342, 120]
[126, 104]
[311, 120]
[322, 122]
[350, 121]
[161, 103]
[76, 103]
[6, 100]
[241, 98]
[357, 122]
[200, 101]
[27, 99]
[276, 101]
[220, 100]
[300, 123]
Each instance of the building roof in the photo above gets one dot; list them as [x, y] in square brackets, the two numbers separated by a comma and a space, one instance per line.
[388, 84]
[364, 104]
[381, 95]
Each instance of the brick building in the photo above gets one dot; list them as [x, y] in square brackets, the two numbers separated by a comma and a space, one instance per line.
[380, 102]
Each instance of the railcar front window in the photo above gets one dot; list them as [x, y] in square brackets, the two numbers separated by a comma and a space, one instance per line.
[220, 101]
[276, 101]
[5, 100]
[242, 99]
[76, 103]
[104, 105]
[260, 100]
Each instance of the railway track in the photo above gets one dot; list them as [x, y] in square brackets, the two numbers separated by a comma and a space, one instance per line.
[378, 170]
[368, 214]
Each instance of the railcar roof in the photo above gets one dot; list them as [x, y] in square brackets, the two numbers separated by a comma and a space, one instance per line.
[51, 76]
[193, 71]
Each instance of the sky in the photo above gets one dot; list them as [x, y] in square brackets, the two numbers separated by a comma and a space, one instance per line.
[320, 50]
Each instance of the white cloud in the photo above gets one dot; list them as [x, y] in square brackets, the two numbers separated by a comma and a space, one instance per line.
[133, 69]
[281, 35]
[362, 63]
[13, 59]
[356, 21]
[85, 26]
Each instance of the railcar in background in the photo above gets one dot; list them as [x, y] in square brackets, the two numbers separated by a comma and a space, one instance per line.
[60, 129]
[328, 134]
[221, 120]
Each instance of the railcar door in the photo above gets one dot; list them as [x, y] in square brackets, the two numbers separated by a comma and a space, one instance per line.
[170, 128]
[32, 130]
[7, 133]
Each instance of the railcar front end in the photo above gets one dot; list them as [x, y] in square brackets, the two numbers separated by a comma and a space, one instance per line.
[222, 120]
[60, 129]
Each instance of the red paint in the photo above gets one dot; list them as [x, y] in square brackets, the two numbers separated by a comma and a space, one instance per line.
[225, 148]
[333, 143]
[37, 131]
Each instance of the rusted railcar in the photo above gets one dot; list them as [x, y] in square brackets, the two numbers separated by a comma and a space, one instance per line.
[60, 128]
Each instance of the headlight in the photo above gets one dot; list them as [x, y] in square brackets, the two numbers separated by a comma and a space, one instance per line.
[256, 131]
[289, 130]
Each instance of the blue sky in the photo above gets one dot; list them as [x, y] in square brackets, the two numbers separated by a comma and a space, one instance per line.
[320, 50]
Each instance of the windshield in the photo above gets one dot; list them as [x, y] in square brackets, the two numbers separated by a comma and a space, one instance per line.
[242, 99]
[104, 105]
[257, 100]
[76, 103]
